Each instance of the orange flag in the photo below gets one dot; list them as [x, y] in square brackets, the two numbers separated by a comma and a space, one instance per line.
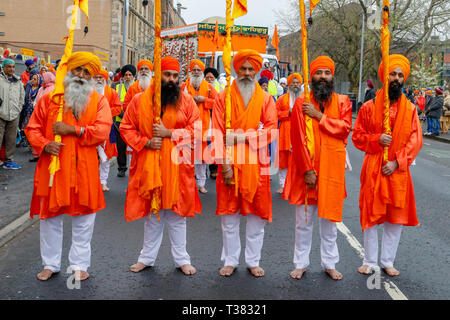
[215, 42]
[84, 8]
[239, 8]
[312, 5]
[275, 42]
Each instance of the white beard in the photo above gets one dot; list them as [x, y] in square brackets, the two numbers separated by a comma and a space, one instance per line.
[196, 80]
[127, 84]
[100, 87]
[76, 96]
[144, 81]
[246, 88]
[293, 96]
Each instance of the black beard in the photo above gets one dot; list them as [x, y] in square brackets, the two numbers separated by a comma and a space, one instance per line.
[395, 90]
[322, 92]
[170, 93]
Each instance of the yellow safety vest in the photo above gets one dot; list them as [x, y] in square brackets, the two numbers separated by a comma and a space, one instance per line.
[122, 95]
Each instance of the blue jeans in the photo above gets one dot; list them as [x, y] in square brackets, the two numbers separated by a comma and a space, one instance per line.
[436, 125]
[429, 125]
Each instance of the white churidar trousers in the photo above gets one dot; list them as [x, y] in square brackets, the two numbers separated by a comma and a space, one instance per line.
[282, 176]
[303, 239]
[389, 245]
[254, 234]
[200, 174]
[153, 235]
[51, 238]
[103, 166]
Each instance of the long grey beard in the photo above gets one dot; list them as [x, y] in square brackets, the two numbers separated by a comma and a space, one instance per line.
[128, 84]
[246, 86]
[196, 80]
[293, 95]
[76, 96]
[99, 87]
[144, 81]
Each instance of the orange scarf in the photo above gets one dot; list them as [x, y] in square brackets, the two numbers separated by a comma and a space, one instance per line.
[204, 113]
[246, 174]
[79, 163]
[384, 190]
[157, 173]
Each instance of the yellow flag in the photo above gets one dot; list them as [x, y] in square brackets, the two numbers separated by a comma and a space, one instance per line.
[239, 8]
[312, 4]
[84, 8]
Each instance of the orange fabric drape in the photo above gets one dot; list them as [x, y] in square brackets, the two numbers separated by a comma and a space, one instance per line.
[284, 140]
[387, 198]
[330, 136]
[76, 188]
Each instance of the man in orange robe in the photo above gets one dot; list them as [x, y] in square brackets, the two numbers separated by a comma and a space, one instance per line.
[76, 189]
[108, 149]
[285, 105]
[316, 176]
[144, 76]
[387, 193]
[162, 177]
[244, 184]
[204, 95]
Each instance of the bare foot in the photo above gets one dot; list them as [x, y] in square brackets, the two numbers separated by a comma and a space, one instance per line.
[391, 271]
[137, 267]
[227, 271]
[364, 269]
[81, 275]
[105, 187]
[334, 274]
[188, 269]
[202, 190]
[257, 271]
[279, 191]
[44, 275]
[297, 273]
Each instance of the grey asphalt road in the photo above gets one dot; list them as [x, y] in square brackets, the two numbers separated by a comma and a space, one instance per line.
[423, 254]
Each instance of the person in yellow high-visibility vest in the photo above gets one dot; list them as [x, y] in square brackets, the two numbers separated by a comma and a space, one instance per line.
[128, 73]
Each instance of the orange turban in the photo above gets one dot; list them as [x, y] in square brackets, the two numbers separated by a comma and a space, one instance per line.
[82, 58]
[396, 60]
[145, 62]
[198, 63]
[249, 55]
[292, 76]
[322, 62]
[103, 73]
[170, 63]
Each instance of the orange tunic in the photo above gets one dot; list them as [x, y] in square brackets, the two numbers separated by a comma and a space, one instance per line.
[188, 203]
[205, 90]
[76, 188]
[388, 198]
[116, 107]
[133, 90]
[254, 195]
[284, 127]
[330, 139]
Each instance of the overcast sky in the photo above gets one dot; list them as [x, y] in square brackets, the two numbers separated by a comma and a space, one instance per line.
[260, 12]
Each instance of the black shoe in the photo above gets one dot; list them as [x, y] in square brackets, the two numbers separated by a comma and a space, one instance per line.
[121, 174]
[33, 159]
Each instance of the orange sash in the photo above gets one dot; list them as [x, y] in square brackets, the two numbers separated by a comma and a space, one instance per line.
[246, 174]
[157, 173]
[383, 190]
[204, 112]
[79, 163]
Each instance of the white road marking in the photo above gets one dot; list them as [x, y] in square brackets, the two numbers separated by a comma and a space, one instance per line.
[389, 286]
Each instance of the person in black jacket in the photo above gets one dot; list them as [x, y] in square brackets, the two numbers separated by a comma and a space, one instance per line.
[434, 112]
[370, 92]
